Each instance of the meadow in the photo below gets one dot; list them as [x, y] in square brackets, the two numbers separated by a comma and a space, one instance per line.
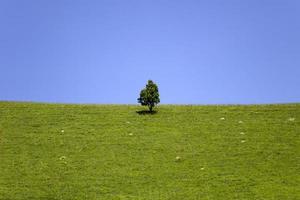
[183, 152]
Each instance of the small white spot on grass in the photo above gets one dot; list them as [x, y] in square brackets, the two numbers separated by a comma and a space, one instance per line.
[240, 122]
[291, 119]
[243, 141]
[130, 134]
[222, 118]
[178, 158]
[242, 133]
[62, 130]
[62, 158]
[127, 122]
[202, 168]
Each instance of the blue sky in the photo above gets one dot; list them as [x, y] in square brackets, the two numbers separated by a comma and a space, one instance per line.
[198, 52]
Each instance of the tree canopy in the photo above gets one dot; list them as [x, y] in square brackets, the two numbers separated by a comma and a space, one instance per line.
[149, 96]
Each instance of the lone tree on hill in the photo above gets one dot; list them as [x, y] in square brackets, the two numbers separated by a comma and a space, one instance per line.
[149, 96]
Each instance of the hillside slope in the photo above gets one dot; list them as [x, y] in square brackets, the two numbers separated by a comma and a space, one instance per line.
[57, 151]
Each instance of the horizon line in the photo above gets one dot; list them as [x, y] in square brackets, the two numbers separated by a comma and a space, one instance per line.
[160, 104]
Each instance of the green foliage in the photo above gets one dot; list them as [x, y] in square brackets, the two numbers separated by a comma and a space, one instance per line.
[149, 96]
[109, 152]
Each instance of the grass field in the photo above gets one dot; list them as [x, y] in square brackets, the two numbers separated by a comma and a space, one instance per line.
[57, 151]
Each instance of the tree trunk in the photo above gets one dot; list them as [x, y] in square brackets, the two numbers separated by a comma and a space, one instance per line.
[150, 108]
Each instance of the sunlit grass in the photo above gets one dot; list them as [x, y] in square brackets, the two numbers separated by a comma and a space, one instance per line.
[57, 151]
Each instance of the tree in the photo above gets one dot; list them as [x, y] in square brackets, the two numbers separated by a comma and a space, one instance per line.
[149, 96]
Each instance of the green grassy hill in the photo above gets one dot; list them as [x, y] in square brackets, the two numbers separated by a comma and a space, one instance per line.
[57, 151]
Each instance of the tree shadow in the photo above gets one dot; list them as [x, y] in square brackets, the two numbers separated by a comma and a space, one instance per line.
[146, 112]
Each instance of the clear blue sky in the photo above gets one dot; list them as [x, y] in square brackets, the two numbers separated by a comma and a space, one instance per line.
[104, 51]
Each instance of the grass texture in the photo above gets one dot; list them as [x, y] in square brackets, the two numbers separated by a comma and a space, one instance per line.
[182, 152]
